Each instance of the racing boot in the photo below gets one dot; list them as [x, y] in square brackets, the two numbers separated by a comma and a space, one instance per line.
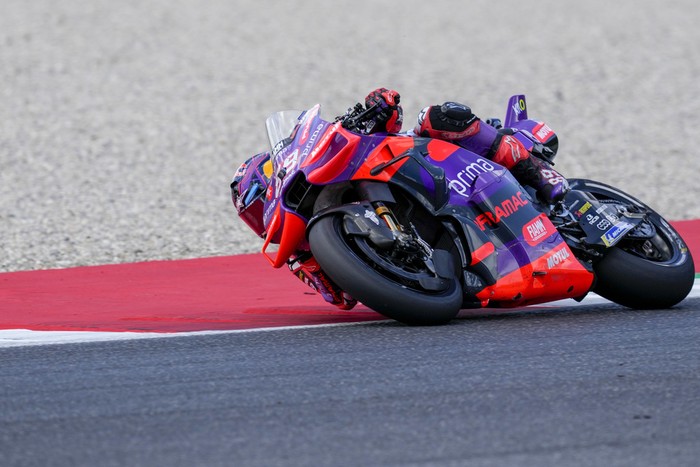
[550, 185]
[528, 170]
[307, 269]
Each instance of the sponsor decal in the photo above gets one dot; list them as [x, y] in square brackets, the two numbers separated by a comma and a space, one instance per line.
[421, 116]
[583, 209]
[537, 230]
[604, 224]
[325, 139]
[371, 215]
[558, 257]
[601, 223]
[510, 145]
[502, 211]
[554, 177]
[471, 130]
[312, 140]
[605, 211]
[305, 132]
[591, 219]
[241, 170]
[307, 120]
[290, 162]
[465, 177]
[519, 106]
[618, 230]
[305, 279]
[268, 211]
[542, 132]
[280, 147]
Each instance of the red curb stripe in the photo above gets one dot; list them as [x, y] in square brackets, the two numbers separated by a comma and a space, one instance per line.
[690, 231]
[220, 293]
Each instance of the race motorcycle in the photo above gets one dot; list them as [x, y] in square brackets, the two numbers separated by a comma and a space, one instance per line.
[418, 228]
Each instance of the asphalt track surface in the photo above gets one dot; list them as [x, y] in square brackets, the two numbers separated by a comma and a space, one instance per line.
[592, 386]
[121, 126]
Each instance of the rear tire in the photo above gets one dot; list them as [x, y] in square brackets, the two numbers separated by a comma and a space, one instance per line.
[634, 282]
[643, 273]
[342, 260]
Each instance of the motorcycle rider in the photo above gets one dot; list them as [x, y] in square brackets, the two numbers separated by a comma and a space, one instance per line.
[451, 121]
[456, 123]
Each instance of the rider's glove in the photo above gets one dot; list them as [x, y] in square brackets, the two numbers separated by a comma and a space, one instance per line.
[389, 114]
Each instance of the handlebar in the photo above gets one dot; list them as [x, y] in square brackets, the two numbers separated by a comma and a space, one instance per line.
[355, 119]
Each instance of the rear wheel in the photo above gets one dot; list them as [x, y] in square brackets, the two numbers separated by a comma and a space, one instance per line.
[398, 282]
[651, 267]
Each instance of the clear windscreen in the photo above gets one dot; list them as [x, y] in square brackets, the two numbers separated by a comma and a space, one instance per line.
[280, 126]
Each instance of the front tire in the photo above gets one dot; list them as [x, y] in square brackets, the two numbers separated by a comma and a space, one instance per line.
[341, 258]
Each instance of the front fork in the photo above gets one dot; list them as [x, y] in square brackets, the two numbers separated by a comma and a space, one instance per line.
[387, 216]
[407, 240]
[410, 244]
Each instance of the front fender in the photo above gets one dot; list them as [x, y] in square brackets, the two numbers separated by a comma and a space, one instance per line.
[359, 219]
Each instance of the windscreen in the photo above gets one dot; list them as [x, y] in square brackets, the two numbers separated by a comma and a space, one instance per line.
[279, 127]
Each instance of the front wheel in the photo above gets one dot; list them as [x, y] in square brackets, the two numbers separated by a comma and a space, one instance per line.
[377, 279]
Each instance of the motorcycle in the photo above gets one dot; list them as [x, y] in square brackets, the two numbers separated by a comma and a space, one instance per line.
[418, 229]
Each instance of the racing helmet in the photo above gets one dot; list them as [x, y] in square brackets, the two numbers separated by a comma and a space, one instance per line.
[248, 188]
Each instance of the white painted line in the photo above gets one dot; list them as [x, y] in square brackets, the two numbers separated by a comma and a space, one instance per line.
[25, 337]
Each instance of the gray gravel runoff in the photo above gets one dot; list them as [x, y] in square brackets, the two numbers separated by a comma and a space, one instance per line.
[121, 123]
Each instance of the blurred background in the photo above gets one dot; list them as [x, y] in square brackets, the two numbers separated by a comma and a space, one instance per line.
[121, 123]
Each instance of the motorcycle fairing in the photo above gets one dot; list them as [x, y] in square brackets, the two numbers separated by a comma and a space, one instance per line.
[490, 205]
[516, 111]
[514, 247]
[555, 275]
[326, 154]
[292, 233]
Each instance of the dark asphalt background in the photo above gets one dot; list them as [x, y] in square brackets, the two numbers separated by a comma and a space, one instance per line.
[594, 385]
[121, 124]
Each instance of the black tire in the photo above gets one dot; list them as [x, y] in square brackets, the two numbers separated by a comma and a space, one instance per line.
[631, 278]
[634, 282]
[334, 251]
